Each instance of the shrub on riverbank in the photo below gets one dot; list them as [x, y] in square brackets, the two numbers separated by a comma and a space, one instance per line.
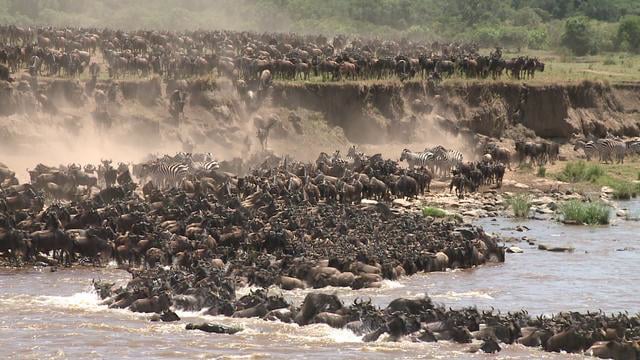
[542, 171]
[589, 213]
[624, 190]
[581, 171]
[434, 212]
[520, 204]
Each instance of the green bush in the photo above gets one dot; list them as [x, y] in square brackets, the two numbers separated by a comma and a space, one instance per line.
[589, 213]
[581, 171]
[624, 190]
[578, 35]
[434, 212]
[525, 166]
[520, 204]
[628, 35]
[542, 171]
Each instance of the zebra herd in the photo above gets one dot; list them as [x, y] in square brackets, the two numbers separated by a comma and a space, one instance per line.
[608, 149]
[437, 159]
[170, 171]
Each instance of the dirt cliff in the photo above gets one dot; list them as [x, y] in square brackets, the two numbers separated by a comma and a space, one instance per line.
[490, 108]
[377, 113]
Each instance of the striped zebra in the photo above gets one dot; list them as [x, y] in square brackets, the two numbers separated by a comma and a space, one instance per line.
[336, 159]
[353, 153]
[166, 174]
[610, 149]
[633, 147]
[445, 160]
[207, 166]
[419, 159]
[355, 157]
[588, 147]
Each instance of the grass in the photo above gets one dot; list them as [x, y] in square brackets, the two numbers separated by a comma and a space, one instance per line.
[542, 171]
[434, 212]
[520, 204]
[609, 67]
[589, 213]
[525, 167]
[579, 171]
[622, 190]
[625, 191]
[616, 176]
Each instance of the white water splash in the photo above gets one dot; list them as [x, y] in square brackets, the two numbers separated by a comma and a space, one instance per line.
[392, 284]
[86, 300]
[342, 335]
[453, 295]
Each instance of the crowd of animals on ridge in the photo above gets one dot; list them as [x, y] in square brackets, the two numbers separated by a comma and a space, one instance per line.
[246, 56]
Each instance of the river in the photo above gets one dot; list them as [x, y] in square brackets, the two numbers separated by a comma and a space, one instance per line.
[55, 315]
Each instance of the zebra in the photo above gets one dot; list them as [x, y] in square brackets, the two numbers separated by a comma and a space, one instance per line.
[589, 147]
[353, 153]
[419, 159]
[166, 174]
[206, 166]
[633, 147]
[336, 159]
[354, 157]
[610, 149]
[445, 160]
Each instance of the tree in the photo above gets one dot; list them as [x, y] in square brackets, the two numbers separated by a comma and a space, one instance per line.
[604, 10]
[629, 33]
[578, 35]
[30, 8]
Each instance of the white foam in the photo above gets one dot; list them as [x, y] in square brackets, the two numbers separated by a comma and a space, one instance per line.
[190, 314]
[81, 300]
[342, 335]
[392, 284]
[453, 295]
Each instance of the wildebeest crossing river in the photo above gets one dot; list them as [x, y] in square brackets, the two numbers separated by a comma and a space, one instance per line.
[48, 314]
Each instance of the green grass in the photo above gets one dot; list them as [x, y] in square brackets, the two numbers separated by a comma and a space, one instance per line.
[609, 67]
[616, 176]
[622, 190]
[434, 212]
[525, 167]
[542, 171]
[589, 213]
[625, 191]
[520, 204]
[580, 171]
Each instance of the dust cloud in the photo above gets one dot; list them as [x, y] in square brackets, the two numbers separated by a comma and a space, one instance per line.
[221, 121]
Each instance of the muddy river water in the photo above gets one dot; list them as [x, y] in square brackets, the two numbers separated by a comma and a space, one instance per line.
[55, 315]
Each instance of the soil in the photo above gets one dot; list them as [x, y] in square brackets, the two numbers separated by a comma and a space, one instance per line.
[381, 117]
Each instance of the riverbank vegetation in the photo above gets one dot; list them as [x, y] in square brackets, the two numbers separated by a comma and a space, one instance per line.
[434, 212]
[588, 213]
[620, 178]
[520, 204]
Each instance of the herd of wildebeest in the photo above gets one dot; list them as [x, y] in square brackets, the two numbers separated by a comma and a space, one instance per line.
[191, 229]
[246, 56]
[194, 231]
